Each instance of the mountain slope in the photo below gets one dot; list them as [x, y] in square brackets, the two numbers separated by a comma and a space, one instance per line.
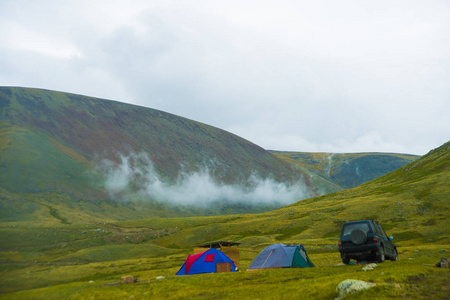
[97, 150]
[93, 126]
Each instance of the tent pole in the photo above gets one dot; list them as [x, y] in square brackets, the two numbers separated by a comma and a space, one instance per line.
[267, 258]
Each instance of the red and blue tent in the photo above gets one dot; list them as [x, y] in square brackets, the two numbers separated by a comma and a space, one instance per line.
[210, 261]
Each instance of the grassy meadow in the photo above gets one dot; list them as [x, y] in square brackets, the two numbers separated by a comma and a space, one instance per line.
[67, 267]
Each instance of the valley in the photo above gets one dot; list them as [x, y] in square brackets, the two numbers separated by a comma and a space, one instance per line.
[65, 236]
[73, 261]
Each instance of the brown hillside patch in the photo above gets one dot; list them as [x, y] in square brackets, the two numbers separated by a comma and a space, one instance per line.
[69, 151]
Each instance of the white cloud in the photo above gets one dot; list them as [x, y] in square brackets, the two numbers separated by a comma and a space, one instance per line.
[24, 38]
[135, 176]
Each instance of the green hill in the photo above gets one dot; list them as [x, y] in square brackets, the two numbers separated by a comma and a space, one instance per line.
[81, 151]
[83, 127]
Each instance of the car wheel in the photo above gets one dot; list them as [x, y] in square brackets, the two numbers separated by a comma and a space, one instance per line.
[380, 255]
[358, 237]
[395, 255]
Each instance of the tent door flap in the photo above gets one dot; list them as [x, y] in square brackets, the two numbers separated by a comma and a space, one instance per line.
[223, 267]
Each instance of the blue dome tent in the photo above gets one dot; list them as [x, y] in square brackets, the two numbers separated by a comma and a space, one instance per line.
[282, 256]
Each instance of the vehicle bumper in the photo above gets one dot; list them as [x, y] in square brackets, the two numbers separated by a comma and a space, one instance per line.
[358, 251]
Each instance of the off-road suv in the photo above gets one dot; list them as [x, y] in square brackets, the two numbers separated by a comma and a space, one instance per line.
[365, 240]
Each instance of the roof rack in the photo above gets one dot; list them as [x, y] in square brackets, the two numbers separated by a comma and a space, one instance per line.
[218, 244]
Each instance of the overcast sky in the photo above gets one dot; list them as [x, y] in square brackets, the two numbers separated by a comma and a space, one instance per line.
[310, 76]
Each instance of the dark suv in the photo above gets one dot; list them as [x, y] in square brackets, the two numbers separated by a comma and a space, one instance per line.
[364, 240]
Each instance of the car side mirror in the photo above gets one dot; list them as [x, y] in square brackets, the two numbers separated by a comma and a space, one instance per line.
[391, 238]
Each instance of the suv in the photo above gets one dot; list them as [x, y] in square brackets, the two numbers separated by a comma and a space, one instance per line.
[364, 240]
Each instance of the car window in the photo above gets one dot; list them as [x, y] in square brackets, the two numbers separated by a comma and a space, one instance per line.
[383, 233]
[378, 230]
[348, 228]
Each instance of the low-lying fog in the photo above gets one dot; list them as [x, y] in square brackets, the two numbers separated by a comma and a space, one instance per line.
[135, 175]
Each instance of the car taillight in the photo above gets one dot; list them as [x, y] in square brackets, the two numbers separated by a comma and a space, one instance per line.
[375, 240]
[340, 244]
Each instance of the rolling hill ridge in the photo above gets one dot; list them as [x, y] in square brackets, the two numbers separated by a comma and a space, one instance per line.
[76, 148]
[65, 155]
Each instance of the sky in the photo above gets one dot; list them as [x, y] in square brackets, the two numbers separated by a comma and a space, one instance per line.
[308, 76]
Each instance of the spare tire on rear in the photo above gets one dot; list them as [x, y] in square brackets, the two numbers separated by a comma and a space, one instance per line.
[358, 236]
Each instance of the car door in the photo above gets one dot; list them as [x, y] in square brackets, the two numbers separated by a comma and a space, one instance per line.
[388, 244]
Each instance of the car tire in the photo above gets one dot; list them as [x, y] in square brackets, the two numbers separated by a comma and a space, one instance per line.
[395, 255]
[380, 255]
[358, 237]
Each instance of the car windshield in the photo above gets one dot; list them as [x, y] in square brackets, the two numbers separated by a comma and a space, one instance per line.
[350, 227]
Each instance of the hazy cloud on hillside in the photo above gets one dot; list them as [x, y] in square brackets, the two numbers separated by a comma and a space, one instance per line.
[330, 76]
[135, 176]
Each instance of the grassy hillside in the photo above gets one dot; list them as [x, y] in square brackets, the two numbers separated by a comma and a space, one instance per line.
[84, 127]
[87, 260]
[77, 148]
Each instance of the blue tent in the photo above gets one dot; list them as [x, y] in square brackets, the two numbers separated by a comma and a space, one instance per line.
[282, 256]
[210, 261]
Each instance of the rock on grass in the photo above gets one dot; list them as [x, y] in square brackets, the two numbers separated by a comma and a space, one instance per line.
[350, 286]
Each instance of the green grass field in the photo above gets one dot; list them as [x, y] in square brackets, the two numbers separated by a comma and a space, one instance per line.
[407, 278]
